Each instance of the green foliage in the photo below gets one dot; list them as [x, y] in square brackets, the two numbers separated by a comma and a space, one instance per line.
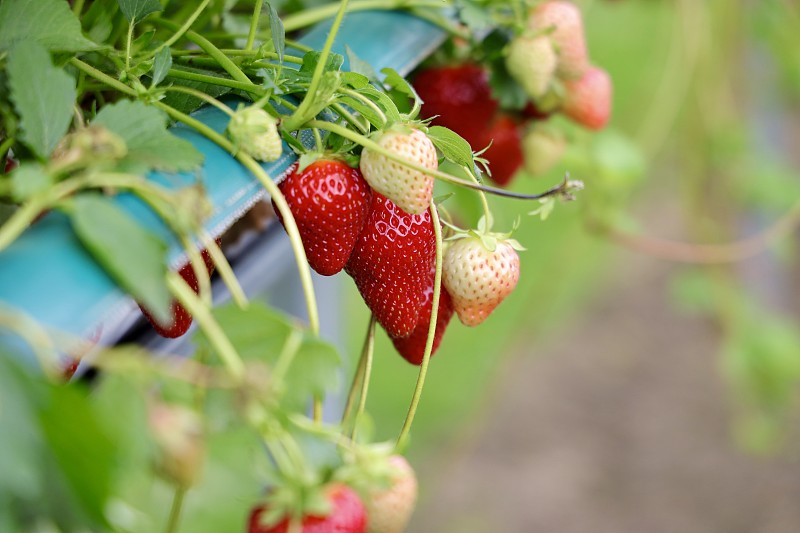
[136, 10]
[48, 22]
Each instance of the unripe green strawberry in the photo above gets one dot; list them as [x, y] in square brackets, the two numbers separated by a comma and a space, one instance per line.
[390, 508]
[409, 189]
[178, 433]
[531, 61]
[542, 149]
[255, 132]
[479, 276]
[566, 22]
[587, 101]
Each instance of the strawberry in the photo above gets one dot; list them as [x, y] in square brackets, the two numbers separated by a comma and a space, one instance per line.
[505, 153]
[330, 203]
[390, 508]
[412, 348]
[181, 319]
[532, 111]
[410, 189]
[347, 515]
[479, 276]
[459, 96]
[565, 21]
[543, 149]
[532, 61]
[391, 264]
[587, 101]
[255, 132]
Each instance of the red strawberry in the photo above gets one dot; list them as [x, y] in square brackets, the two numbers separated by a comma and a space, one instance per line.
[347, 516]
[461, 97]
[391, 264]
[587, 101]
[412, 348]
[181, 319]
[566, 22]
[505, 154]
[389, 509]
[330, 203]
[477, 277]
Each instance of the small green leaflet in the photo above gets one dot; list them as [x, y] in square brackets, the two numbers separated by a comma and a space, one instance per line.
[359, 66]
[43, 96]
[28, 180]
[310, 60]
[453, 147]
[132, 256]
[161, 65]
[51, 23]
[186, 103]
[277, 32]
[136, 10]
[150, 145]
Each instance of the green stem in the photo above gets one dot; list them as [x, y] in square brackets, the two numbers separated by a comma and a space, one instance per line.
[225, 270]
[216, 80]
[77, 7]
[300, 115]
[350, 118]
[362, 401]
[6, 145]
[216, 336]
[308, 17]
[210, 48]
[402, 440]
[290, 348]
[202, 96]
[200, 270]
[175, 510]
[102, 76]
[375, 147]
[359, 373]
[182, 30]
[251, 37]
[30, 331]
[128, 44]
[280, 202]
[298, 46]
[366, 101]
[235, 52]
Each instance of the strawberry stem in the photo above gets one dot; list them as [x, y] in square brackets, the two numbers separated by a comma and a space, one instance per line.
[402, 439]
[175, 510]
[200, 270]
[362, 402]
[360, 370]
[180, 31]
[224, 269]
[487, 213]
[251, 37]
[308, 17]
[201, 96]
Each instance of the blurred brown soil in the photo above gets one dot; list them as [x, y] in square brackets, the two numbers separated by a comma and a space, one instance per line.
[622, 423]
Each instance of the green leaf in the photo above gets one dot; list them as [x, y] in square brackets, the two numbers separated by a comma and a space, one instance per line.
[364, 110]
[136, 10]
[277, 33]
[354, 80]
[398, 83]
[150, 145]
[384, 102]
[186, 103]
[310, 60]
[28, 180]
[313, 372]
[359, 66]
[161, 66]
[452, 145]
[51, 23]
[43, 96]
[132, 256]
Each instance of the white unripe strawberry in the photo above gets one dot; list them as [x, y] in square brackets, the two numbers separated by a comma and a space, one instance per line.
[542, 148]
[409, 188]
[478, 276]
[531, 61]
[389, 509]
[255, 132]
[565, 22]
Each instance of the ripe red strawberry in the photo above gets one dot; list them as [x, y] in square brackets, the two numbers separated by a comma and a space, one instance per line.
[390, 508]
[479, 278]
[587, 101]
[347, 515]
[181, 319]
[412, 348]
[410, 189]
[532, 61]
[330, 202]
[459, 96]
[567, 35]
[505, 154]
[391, 264]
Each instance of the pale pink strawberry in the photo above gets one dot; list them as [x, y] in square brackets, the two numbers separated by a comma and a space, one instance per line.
[542, 149]
[565, 21]
[587, 101]
[479, 276]
[531, 61]
[409, 188]
[390, 508]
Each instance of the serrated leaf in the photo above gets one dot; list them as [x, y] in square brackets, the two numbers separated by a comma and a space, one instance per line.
[328, 84]
[310, 60]
[277, 33]
[51, 23]
[384, 102]
[28, 180]
[453, 147]
[136, 10]
[359, 66]
[161, 65]
[43, 96]
[398, 82]
[132, 256]
[143, 128]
